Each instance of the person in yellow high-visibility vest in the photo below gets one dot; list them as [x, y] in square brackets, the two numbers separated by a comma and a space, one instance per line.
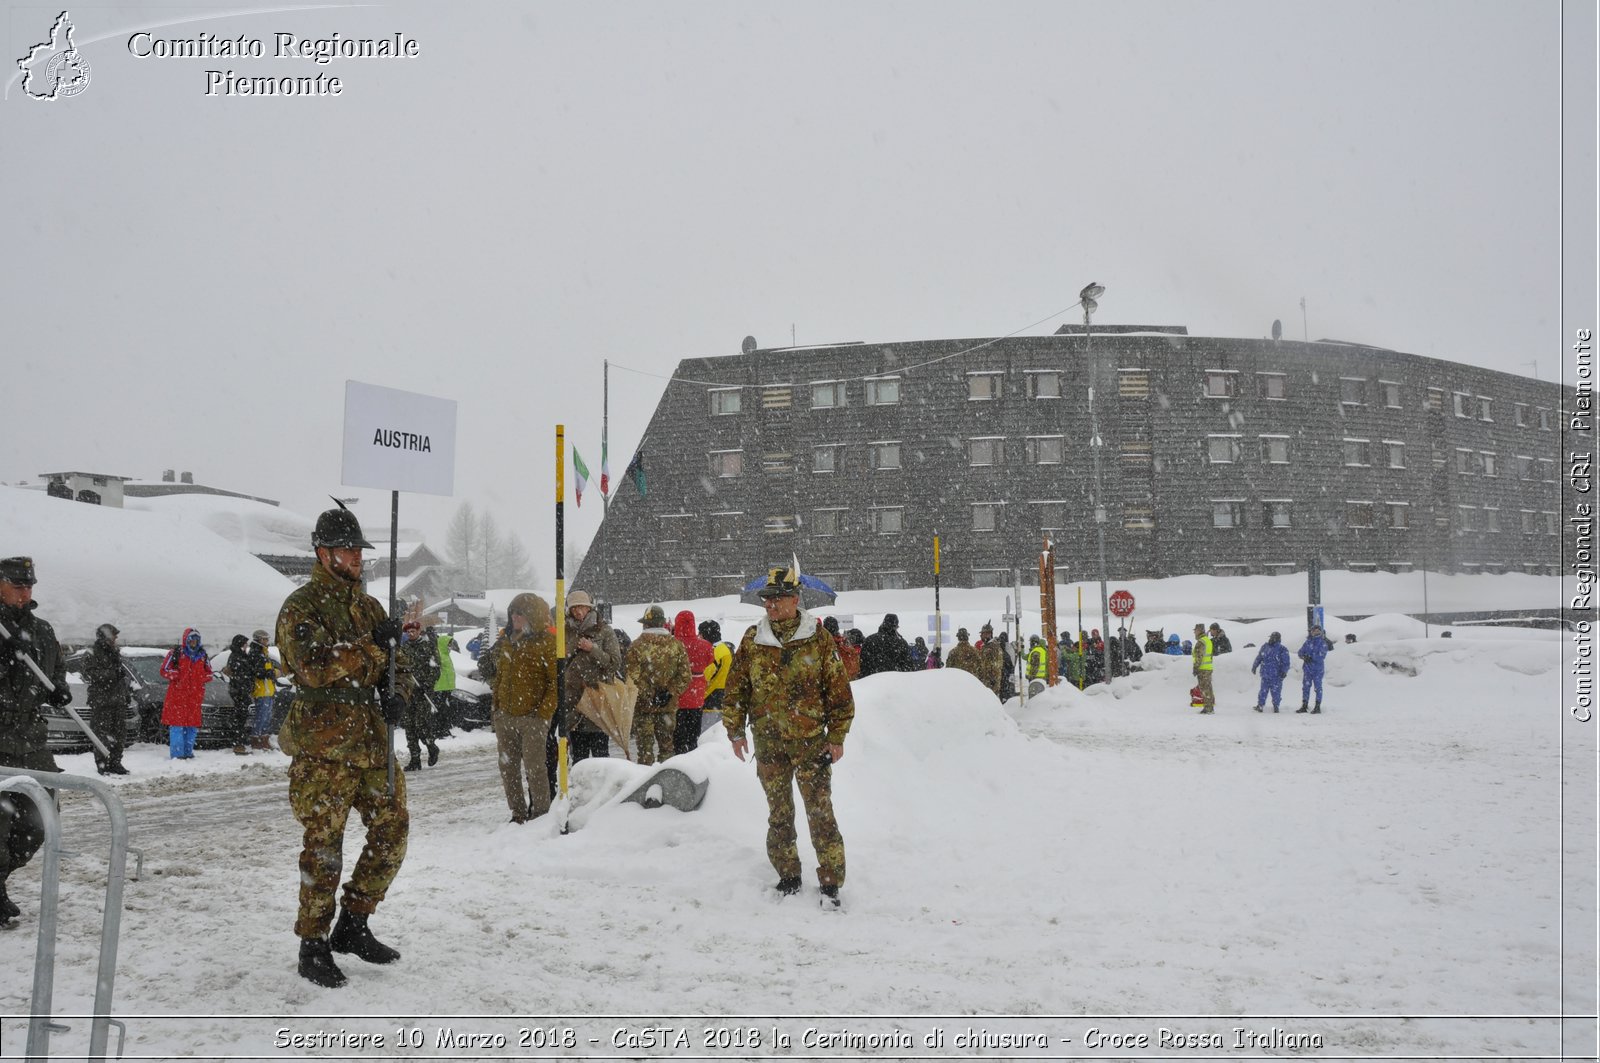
[1038, 658]
[1202, 669]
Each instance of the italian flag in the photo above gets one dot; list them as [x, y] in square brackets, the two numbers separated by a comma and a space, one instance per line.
[582, 472]
[605, 470]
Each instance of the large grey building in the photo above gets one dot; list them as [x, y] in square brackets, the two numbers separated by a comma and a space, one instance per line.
[1220, 456]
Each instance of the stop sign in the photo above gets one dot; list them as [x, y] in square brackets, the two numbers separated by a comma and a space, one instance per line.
[1121, 604]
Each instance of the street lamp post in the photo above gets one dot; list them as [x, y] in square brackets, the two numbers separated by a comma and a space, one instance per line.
[1088, 299]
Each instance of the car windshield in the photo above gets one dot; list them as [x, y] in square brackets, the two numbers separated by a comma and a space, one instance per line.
[148, 669]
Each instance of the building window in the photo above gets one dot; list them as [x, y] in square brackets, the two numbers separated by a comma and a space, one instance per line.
[780, 525]
[888, 581]
[1222, 450]
[991, 577]
[1434, 401]
[1491, 518]
[988, 450]
[725, 463]
[1520, 414]
[1391, 394]
[777, 396]
[1486, 462]
[885, 456]
[1525, 467]
[1275, 450]
[1397, 454]
[1221, 383]
[1275, 513]
[1528, 516]
[1353, 391]
[1227, 513]
[1363, 566]
[827, 522]
[724, 527]
[1355, 452]
[985, 516]
[1399, 515]
[839, 581]
[1051, 516]
[1547, 470]
[825, 458]
[1044, 450]
[1044, 385]
[777, 463]
[1550, 526]
[827, 394]
[1227, 569]
[888, 520]
[1467, 518]
[724, 401]
[1400, 568]
[983, 386]
[1272, 385]
[1138, 522]
[1544, 419]
[1358, 514]
[883, 391]
[1484, 406]
[1278, 568]
[1466, 461]
[675, 527]
[1463, 404]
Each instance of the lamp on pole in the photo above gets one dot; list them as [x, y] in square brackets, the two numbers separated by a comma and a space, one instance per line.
[1089, 300]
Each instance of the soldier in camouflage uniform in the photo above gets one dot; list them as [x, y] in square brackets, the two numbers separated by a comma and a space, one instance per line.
[336, 642]
[992, 661]
[787, 680]
[23, 737]
[965, 656]
[658, 665]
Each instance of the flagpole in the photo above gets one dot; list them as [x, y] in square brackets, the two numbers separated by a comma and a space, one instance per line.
[562, 805]
[605, 500]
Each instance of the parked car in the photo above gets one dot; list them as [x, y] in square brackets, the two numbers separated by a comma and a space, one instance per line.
[62, 732]
[215, 705]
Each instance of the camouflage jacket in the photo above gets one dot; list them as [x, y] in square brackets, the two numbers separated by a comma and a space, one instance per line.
[325, 635]
[791, 689]
[23, 736]
[970, 658]
[658, 664]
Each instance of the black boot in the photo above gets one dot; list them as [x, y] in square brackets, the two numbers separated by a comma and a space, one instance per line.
[316, 964]
[1303, 708]
[350, 934]
[1317, 710]
[8, 910]
[830, 898]
[788, 887]
[414, 763]
[433, 754]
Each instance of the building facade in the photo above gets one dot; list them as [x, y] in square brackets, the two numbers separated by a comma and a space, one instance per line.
[1218, 456]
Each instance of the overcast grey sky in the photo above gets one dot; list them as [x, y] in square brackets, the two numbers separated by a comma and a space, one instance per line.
[192, 279]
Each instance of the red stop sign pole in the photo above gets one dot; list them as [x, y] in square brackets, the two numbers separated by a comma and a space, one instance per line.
[1121, 604]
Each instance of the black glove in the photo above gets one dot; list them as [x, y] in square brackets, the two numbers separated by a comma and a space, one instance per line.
[386, 631]
[61, 696]
[662, 699]
[394, 707]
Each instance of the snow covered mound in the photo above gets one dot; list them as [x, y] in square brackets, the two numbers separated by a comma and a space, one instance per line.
[149, 573]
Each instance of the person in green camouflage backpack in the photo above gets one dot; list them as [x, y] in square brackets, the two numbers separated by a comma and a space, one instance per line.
[789, 684]
[658, 665]
[336, 642]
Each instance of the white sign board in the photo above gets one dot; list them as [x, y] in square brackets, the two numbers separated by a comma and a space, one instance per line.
[398, 440]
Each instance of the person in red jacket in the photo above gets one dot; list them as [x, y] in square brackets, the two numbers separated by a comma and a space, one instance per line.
[686, 735]
[187, 670]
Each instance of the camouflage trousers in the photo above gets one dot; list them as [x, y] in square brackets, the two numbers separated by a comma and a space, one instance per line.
[653, 729]
[782, 766]
[322, 792]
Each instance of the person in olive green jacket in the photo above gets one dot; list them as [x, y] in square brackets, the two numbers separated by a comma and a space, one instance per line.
[789, 684]
[658, 665]
[336, 641]
[521, 671]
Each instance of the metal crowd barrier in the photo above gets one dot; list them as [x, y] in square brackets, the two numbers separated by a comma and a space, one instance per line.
[40, 1023]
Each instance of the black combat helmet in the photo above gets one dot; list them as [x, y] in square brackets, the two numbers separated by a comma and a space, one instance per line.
[339, 528]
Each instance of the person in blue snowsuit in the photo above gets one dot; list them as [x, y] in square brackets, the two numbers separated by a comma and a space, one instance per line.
[1272, 662]
[1174, 646]
[1313, 655]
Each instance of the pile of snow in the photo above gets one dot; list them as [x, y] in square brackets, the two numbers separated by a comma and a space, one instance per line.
[252, 526]
[151, 573]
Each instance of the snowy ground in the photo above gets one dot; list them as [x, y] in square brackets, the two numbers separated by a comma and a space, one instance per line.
[1104, 860]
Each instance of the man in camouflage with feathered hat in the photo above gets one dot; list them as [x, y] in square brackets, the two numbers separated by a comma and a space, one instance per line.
[787, 680]
[337, 642]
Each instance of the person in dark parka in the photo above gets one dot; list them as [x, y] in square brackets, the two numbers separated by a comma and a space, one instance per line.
[109, 696]
[886, 651]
